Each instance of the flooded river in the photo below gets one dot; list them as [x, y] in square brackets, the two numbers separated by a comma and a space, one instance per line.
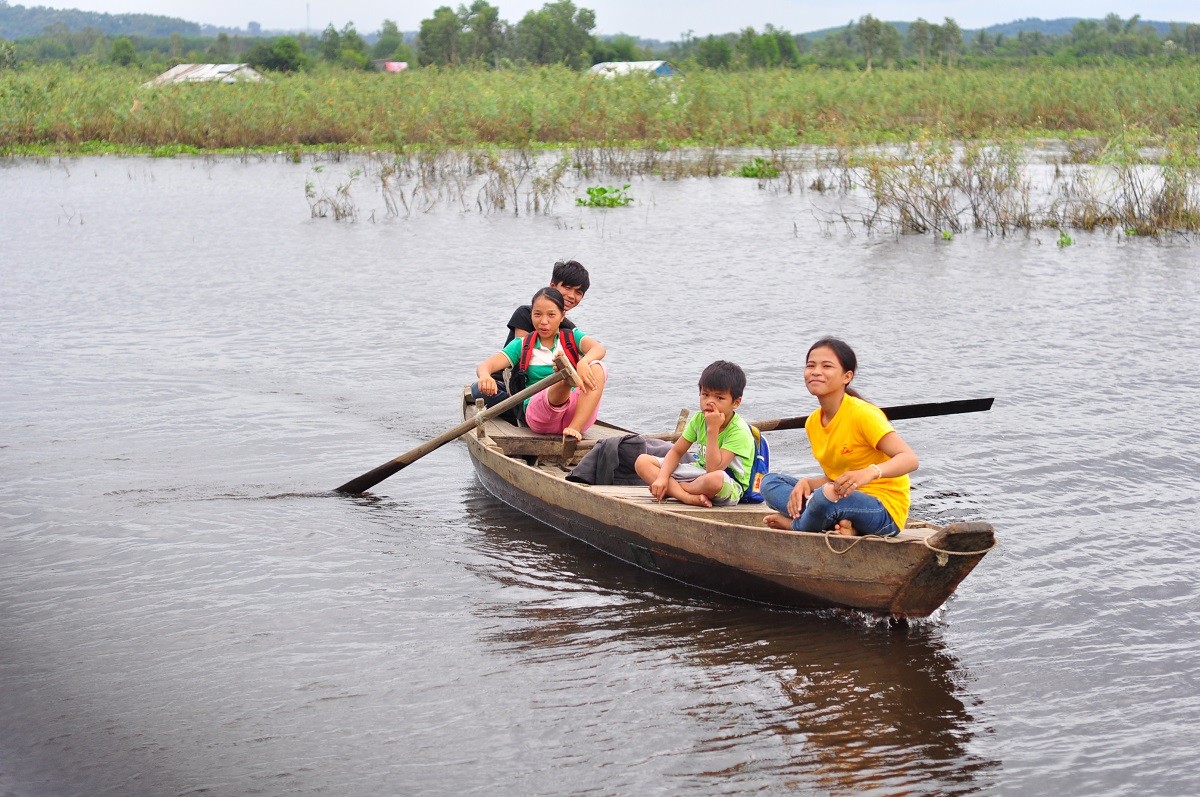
[190, 362]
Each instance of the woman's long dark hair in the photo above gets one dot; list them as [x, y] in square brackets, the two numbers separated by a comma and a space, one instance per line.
[845, 356]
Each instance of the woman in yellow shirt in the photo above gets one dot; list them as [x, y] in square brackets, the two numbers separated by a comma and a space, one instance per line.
[864, 488]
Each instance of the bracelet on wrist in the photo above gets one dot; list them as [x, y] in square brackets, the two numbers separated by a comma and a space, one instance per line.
[878, 470]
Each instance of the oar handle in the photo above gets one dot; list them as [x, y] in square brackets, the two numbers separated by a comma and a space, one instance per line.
[375, 476]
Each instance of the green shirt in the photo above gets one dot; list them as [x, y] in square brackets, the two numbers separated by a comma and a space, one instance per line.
[735, 437]
[541, 360]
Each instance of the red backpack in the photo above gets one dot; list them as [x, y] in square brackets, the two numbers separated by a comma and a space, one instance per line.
[519, 378]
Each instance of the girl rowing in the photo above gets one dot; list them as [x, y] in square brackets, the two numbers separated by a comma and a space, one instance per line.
[560, 409]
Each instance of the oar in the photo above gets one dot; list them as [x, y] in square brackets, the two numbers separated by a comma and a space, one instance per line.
[373, 477]
[898, 413]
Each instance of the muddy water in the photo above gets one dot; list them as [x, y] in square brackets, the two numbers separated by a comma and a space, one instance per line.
[190, 360]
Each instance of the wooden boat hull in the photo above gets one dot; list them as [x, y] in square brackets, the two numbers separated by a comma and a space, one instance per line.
[729, 551]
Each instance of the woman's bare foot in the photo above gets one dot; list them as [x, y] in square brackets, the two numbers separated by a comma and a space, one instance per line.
[778, 522]
[569, 432]
[845, 528]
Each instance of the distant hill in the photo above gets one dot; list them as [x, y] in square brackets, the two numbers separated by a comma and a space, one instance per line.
[1060, 27]
[1049, 27]
[19, 22]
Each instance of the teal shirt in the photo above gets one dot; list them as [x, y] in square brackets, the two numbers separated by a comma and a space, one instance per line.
[735, 437]
[541, 361]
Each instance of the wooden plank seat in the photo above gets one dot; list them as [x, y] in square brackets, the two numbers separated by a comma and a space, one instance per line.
[520, 441]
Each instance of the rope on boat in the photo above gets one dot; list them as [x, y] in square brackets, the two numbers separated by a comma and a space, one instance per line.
[830, 534]
[897, 541]
[958, 553]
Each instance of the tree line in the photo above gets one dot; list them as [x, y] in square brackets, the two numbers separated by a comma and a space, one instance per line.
[561, 33]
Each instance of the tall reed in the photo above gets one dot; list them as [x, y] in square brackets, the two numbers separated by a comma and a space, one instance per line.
[53, 107]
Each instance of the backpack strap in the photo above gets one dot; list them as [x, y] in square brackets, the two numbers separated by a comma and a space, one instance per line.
[526, 352]
[566, 339]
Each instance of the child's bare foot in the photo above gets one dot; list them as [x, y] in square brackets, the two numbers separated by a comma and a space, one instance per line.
[694, 500]
[845, 528]
[778, 522]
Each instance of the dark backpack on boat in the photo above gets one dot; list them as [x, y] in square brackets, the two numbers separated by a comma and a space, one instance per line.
[519, 378]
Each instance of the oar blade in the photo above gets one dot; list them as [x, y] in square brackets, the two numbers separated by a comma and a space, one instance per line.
[935, 408]
[375, 476]
[897, 413]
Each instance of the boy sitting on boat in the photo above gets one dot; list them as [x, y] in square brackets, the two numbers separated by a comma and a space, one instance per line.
[720, 473]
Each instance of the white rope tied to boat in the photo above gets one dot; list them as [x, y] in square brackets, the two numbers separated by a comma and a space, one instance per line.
[896, 541]
[959, 553]
[829, 545]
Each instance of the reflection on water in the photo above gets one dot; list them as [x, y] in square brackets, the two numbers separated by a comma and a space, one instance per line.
[852, 706]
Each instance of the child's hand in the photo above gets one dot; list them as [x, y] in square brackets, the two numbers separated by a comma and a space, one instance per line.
[487, 385]
[658, 488]
[713, 420]
[587, 379]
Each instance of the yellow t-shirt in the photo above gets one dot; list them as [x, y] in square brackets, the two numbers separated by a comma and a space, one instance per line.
[848, 443]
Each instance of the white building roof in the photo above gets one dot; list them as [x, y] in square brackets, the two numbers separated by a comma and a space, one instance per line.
[206, 73]
[614, 68]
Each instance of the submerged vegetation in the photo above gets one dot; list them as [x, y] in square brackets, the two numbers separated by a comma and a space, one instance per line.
[928, 187]
[927, 152]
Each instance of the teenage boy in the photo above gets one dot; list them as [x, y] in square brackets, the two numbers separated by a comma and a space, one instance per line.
[572, 281]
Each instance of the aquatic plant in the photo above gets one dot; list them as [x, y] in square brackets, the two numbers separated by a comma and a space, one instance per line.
[1126, 192]
[759, 168]
[600, 196]
[322, 202]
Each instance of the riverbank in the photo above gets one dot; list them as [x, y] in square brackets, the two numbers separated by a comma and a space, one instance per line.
[55, 110]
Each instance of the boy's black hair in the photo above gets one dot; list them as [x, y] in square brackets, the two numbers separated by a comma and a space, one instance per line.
[724, 375]
[553, 294]
[572, 274]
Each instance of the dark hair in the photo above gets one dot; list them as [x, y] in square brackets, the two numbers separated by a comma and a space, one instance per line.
[552, 294]
[845, 356]
[572, 274]
[724, 375]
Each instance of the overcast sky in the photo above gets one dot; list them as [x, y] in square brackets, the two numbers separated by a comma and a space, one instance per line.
[652, 19]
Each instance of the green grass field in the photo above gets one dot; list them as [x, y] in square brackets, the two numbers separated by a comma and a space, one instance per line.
[52, 109]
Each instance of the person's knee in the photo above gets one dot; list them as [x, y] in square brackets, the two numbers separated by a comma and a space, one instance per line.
[828, 490]
[647, 464]
[773, 480]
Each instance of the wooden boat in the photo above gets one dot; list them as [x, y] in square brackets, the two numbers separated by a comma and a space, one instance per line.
[726, 550]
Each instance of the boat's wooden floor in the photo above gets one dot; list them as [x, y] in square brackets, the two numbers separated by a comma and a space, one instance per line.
[742, 514]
